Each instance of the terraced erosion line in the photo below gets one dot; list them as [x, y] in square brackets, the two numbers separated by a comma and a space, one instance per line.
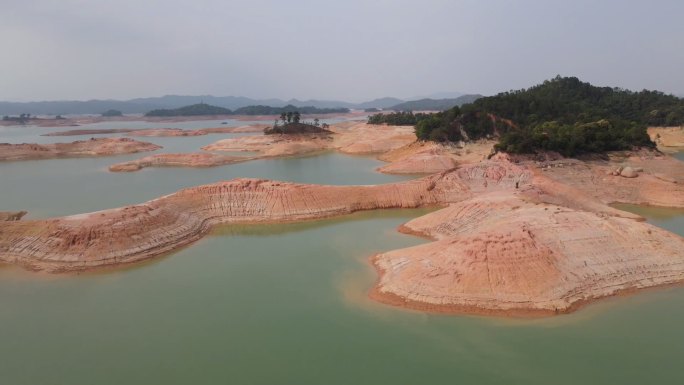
[138, 232]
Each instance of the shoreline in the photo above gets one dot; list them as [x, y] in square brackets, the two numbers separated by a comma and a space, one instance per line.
[391, 299]
[79, 120]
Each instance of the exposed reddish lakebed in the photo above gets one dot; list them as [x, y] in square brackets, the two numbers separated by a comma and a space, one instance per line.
[516, 236]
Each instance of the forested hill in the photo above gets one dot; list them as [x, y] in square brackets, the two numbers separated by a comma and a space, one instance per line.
[268, 110]
[568, 100]
[193, 110]
[562, 114]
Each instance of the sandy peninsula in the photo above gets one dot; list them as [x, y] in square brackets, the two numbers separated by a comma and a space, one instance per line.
[92, 147]
[197, 159]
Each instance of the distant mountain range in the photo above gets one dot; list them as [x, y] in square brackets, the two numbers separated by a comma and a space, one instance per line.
[144, 105]
[435, 104]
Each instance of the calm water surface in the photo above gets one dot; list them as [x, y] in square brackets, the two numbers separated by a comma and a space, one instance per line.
[286, 304]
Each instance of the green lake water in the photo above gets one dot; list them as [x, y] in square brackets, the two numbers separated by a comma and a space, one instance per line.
[286, 304]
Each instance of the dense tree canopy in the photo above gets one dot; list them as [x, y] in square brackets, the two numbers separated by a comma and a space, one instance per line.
[111, 113]
[562, 114]
[193, 110]
[268, 110]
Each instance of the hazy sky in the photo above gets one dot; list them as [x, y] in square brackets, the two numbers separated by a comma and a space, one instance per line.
[351, 49]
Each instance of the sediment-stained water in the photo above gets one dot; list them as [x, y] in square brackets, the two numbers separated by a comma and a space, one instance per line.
[287, 304]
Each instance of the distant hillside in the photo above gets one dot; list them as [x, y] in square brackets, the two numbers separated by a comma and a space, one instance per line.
[268, 110]
[169, 102]
[207, 109]
[192, 110]
[434, 104]
[74, 107]
[379, 103]
[439, 95]
[143, 105]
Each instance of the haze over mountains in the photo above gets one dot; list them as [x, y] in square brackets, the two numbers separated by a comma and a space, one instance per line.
[143, 105]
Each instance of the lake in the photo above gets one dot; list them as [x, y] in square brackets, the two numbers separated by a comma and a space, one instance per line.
[287, 304]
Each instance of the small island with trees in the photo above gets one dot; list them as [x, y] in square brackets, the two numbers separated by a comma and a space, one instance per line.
[290, 123]
[192, 110]
[21, 119]
[112, 113]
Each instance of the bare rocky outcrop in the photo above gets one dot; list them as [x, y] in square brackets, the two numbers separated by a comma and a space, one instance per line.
[92, 147]
[629, 172]
[431, 157]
